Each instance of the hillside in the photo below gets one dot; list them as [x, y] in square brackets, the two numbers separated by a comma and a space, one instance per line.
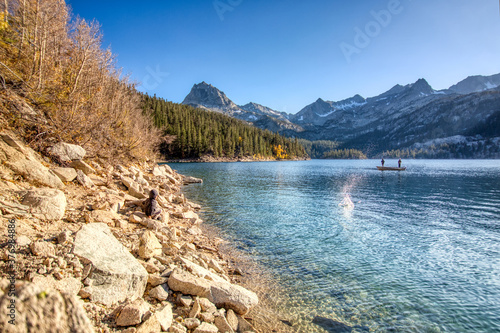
[78, 154]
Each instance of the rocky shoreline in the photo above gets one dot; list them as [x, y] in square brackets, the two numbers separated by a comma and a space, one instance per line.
[80, 256]
[212, 159]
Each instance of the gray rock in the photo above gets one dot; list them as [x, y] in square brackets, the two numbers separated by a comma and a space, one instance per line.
[177, 328]
[39, 309]
[223, 325]
[188, 284]
[207, 316]
[115, 275]
[149, 245]
[136, 191]
[159, 172]
[206, 305]
[81, 165]
[155, 280]
[30, 169]
[196, 309]
[192, 180]
[231, 296]
[192, 323]
[141, 181]
[165, 317]
[150, 325]
[65, 174]
[121, 169]
[232, 319]
[43, 249]
[132, 313]
[134, 218]
[83, 179]
[127, 181]
[23, 240]
[159, 292]
[67, 152]
[185, 300]
[206, 328]
[36, 172]
[12, 141]
[166, 168]
[46, 203]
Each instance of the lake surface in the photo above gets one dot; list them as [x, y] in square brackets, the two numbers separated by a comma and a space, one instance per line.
[418, 252]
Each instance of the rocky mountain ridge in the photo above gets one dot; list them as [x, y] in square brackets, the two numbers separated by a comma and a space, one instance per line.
[403, 117]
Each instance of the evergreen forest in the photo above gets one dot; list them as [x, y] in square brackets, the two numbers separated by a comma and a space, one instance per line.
[191, 133]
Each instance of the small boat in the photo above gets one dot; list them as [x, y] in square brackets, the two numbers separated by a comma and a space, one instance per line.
[390, 168]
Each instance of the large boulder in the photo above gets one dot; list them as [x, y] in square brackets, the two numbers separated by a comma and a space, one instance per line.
[22, 160]
[81, 165]
[46, 203]
[232, 296]
[40, 309]
[201, 271]
[188, 284]
[27, 166]
[67, 152]
[65, 174]
[115, 273]
[36, 172]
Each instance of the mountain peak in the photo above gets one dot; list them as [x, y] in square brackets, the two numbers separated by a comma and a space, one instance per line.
[421, 86]
[206, 95]
[476, 83]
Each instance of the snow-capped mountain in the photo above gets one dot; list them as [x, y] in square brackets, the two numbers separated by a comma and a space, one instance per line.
[476, 84]
[404, 116]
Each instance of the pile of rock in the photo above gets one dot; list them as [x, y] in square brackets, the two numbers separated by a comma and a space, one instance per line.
[88, 256]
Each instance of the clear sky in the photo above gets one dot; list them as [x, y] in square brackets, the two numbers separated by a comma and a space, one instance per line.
[285, 54]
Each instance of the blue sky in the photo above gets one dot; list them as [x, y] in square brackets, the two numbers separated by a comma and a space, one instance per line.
[286, 54]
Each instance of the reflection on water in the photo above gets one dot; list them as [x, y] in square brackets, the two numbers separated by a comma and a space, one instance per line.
[418, 251]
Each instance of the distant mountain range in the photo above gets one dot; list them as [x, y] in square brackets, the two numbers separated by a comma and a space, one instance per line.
[463, 120]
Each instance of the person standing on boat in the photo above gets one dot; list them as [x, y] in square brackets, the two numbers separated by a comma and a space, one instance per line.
[399, 163]
[383, 161]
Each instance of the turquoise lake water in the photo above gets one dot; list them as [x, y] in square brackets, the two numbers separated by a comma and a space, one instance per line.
[418, 252]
